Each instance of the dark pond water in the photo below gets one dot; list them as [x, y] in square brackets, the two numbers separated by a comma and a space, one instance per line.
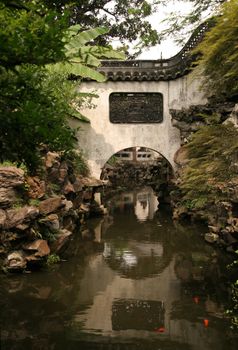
[146, 284]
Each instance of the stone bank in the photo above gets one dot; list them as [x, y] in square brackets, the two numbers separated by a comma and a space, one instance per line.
[38, 215]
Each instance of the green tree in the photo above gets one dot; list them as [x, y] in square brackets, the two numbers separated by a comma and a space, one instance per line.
[127, 19]
[219, 53]
[25, 32]
[181, 24]
[212, 164]
[39, 52]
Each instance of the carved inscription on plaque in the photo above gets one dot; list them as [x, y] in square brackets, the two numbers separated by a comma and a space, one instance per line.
[136, 107]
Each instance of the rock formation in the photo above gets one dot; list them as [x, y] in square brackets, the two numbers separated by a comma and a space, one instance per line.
[39, 214]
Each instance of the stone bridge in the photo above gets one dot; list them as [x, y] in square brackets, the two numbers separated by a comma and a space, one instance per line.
[133, 108]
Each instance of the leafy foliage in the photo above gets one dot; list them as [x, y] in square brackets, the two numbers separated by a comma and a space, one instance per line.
[219, 52]
[233, 310]
[52, 259]
[82, 58]
[31, 109]
[180, 25]
[24, 34]
[36, 95]
[77, 161]
[33, 112]
[213, 155]
[126, 19]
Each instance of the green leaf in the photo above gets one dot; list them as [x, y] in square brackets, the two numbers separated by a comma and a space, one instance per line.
[72, 30]
[87, 94]
[86, 36]
[80, 116]
[86, 72]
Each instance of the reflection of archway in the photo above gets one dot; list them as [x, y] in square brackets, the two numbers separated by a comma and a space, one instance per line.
[128, 265]
[132, 247]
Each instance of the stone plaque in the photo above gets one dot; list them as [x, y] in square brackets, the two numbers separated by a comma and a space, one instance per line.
[136, 107]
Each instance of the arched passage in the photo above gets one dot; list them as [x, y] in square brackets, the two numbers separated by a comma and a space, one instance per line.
[102, 138]
[138, 166]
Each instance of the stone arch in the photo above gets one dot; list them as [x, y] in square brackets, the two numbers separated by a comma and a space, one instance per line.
[142, 146]
[100, 139]
[98, 146]
[125, 149]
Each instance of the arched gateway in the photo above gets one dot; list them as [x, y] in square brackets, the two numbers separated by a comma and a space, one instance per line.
[134, 105]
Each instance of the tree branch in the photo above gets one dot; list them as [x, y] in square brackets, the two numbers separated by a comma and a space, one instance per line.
[16, 6]
[107, 11]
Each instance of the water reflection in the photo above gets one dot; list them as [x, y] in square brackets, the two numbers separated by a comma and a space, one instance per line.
[152, 286]
[140, 202]
[147, 313]
[135, 260]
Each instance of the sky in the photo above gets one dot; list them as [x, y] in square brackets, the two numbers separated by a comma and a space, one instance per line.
[167, 48]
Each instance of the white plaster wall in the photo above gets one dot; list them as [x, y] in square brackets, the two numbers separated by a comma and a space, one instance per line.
[100, 139]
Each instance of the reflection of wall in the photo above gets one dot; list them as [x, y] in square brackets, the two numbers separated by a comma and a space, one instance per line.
[113, 295]
[143, 249]
[142, 208]
[148, 314]
[144, 203]
[127, 198]
[109, 287]
[108, 290]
